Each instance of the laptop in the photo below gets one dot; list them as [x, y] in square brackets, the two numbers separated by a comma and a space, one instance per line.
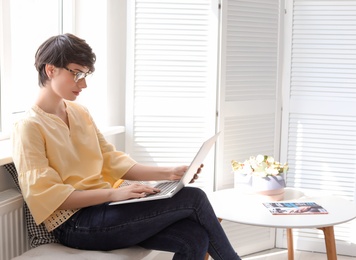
[170, 188]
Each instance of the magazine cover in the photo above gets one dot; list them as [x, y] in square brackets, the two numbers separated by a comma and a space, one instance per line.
[296, 208]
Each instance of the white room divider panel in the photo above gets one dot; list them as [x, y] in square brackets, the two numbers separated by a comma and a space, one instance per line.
[319, 111]
[249, 104]
[171, 81]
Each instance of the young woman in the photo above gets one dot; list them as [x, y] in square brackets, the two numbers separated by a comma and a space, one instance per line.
[67, 171]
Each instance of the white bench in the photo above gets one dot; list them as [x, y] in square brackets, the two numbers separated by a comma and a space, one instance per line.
[56, 251]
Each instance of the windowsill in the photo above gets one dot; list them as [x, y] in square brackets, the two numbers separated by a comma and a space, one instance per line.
[6, 150]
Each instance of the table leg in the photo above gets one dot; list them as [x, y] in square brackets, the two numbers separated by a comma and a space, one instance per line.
[330, 245]
[207, 255]
[290, 244]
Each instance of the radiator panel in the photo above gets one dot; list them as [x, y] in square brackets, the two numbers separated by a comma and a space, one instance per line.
[13, 235]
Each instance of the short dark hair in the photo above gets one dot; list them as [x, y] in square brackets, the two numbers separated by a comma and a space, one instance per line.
[61, 50]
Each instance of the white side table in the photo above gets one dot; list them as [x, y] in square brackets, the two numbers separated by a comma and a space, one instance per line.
[225, 203]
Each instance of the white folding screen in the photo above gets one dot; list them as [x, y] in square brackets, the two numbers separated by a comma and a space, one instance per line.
[319, 115]
[172, 86]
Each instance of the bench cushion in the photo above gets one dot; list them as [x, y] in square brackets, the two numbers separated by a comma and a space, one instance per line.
[38, 235]
[59, 252]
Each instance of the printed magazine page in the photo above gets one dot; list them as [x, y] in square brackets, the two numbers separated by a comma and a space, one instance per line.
[294, 208]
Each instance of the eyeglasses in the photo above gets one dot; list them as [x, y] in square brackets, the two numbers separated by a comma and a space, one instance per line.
[78, 75]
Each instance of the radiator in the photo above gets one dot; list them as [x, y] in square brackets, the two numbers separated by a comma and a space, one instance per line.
[13, 235]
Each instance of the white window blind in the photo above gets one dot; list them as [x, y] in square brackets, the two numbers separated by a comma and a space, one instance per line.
[319, 127]
[171, 96]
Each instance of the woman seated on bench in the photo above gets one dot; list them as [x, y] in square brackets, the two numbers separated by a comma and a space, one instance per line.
[67, 170]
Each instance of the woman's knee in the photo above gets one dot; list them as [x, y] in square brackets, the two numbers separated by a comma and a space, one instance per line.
[186, 238]
[193, 240]
[193, 192]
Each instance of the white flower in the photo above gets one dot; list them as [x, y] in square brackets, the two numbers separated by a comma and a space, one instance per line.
[270, 160]
[246, 169]
[260, 158]
[261, 165]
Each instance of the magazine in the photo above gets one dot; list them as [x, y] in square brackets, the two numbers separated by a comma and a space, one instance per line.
[294, 208]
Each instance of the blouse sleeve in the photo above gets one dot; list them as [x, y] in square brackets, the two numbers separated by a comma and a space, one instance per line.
[116, 163]
[42, 187]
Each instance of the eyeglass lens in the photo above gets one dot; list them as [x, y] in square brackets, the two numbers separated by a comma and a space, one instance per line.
[78, 76]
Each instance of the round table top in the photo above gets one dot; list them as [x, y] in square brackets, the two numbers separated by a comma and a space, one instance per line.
[232, 205]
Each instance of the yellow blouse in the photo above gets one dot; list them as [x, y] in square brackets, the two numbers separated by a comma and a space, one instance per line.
[53, 160]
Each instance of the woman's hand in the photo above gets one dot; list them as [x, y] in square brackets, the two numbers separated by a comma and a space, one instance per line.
[132, 191]
[178, 172]
[196, 176]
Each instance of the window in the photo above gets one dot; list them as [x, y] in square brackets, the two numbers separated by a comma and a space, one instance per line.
[24, 25]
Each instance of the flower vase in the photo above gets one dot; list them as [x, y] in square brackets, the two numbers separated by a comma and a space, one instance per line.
[271, 187]
[243, 182]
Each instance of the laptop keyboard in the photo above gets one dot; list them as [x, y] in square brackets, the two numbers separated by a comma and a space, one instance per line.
[165, 188]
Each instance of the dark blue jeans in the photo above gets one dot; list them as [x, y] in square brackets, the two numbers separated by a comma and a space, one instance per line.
[185, 224]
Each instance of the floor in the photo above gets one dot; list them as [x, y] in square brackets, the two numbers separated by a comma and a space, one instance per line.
[281, 254]
[273, 254]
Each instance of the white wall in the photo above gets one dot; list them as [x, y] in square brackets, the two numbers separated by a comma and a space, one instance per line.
[6, 181]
